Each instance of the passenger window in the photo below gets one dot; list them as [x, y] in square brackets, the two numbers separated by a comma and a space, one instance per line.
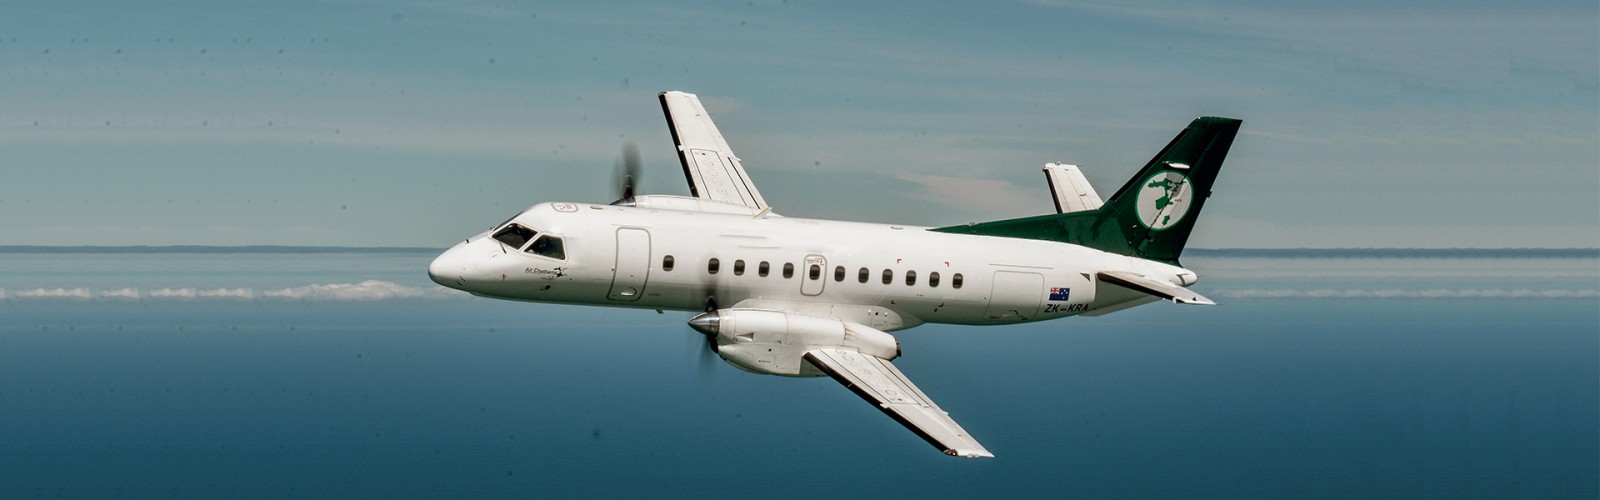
[666, 263]
[738, 267]
[788, 270]
[862, 276]
[955, 281]
[888, 276]
[763, 269]
[933, 280]
[838, 273]
[714, 266]
[515, 236]
[911, 278]
[548, 246]
[814, 272]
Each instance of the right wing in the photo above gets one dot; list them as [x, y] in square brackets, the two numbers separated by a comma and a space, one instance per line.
[880, 383]
[713, 172]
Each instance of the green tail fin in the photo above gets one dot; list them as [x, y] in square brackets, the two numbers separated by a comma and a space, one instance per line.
[1152, 215]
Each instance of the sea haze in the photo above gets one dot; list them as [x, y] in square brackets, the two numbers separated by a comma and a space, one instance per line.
[281, 372]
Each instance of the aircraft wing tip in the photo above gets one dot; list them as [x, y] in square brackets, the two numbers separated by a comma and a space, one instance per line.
[978, 453]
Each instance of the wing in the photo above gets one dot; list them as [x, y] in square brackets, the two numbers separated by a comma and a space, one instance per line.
[881, 384]
[714, 173]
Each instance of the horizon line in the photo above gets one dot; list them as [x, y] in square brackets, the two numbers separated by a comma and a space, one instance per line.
[1459, 252]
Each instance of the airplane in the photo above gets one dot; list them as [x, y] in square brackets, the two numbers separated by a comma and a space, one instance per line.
[802, 297]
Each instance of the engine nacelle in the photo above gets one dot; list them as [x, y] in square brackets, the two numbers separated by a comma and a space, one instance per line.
[773, 342]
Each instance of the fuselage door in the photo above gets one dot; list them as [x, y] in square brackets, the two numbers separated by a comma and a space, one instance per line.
[1016, 296]
[811, 279]
[633, 264]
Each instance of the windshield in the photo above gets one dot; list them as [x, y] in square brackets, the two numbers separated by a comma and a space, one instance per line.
[521, 237]
[548, 246]
[514, 235]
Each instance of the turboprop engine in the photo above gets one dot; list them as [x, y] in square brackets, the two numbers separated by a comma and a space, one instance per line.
[772, 342]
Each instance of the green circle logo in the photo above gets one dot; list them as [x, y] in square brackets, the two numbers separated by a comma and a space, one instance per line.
[1164, 199]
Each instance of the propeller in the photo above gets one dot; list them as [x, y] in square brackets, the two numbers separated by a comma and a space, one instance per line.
[626, 173]
[706, 324]
[707, 360]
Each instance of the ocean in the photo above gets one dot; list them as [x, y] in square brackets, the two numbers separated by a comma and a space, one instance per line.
[282, 373]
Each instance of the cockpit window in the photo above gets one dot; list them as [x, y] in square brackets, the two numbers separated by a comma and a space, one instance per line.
[548, 246]
[515, 235]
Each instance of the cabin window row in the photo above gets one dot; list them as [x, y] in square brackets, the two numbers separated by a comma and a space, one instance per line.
[763, 269]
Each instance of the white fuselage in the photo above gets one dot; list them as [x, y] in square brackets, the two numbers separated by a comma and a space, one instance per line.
[888, 277]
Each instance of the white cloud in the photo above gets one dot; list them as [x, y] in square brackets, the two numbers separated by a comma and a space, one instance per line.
[369, 290]
[1395, 293]
[1221, 231]
[982, 197]
[171, 293]
[55, 293]
[237, 293]
[120, 293]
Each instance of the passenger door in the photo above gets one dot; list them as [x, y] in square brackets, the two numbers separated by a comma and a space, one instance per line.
[632, 267]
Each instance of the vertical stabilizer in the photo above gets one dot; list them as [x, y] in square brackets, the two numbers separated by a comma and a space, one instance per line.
[1152, 215]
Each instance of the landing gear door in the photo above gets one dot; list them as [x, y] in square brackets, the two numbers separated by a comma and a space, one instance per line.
[632, 268]
[812, 279]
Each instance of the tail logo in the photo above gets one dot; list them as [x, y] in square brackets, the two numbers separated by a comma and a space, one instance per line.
[1163, 199]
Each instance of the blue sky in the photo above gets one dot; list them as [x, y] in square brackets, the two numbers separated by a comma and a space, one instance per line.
[1428, 124]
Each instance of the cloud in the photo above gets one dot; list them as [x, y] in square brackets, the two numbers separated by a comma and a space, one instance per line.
[1395, 293]
[120, 293]
[984, 197]
[238, 293]
[370, 290]
[169, 293]
[55, 293]
[1224, 231]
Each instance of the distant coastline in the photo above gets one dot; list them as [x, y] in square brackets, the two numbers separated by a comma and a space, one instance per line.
[1282, 253]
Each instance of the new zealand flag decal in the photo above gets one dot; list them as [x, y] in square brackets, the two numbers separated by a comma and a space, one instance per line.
[1059, 294]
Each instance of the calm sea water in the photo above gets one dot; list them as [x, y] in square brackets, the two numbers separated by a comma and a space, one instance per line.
[350, 375]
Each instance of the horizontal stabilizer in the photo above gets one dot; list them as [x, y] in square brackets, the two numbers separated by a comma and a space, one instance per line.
[1070, 189]
[1165, 290]
[880, 383]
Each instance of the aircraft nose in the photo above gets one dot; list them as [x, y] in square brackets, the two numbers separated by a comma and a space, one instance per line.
[448, 268]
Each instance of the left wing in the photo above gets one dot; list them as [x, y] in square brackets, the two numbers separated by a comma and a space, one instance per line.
[880, 383]
[713, 172]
